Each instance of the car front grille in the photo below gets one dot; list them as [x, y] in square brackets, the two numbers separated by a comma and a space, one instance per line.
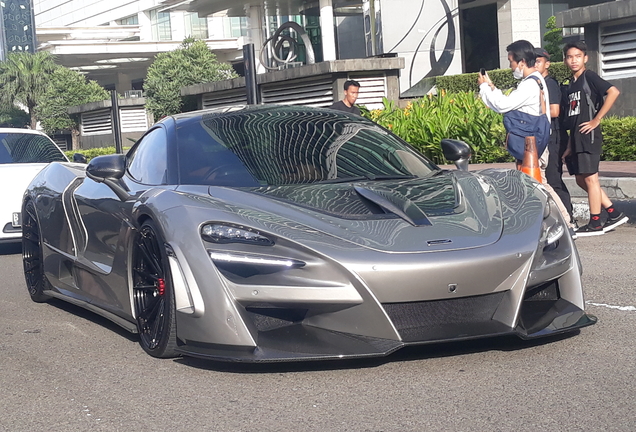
[448, 318]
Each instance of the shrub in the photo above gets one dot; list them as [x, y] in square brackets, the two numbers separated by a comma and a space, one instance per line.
[93, 152]
[192, 63]
[619, 138]
[425, 122]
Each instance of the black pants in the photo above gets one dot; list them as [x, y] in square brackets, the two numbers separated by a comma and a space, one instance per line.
[554, 170]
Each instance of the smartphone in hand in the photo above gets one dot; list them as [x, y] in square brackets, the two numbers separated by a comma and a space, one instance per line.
[482, 72]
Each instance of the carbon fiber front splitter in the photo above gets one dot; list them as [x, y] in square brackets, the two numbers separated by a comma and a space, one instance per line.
[298, 342]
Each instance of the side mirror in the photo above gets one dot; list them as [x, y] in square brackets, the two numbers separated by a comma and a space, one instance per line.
[458, 152]
[107, 167]
[79, 158]
[108, 170]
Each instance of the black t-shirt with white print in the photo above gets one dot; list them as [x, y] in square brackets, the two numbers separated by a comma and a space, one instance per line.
[578, 112]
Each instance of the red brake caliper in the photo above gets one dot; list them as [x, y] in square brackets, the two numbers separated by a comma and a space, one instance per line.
[161, 286]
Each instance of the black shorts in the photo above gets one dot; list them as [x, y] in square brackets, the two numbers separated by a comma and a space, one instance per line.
[583, 163]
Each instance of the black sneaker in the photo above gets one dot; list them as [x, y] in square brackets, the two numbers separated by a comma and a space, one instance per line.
[587, 231]
[612, 223]
[574, 224]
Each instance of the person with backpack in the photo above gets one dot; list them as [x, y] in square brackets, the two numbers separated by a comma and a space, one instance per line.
[527, 105]
[589, 98]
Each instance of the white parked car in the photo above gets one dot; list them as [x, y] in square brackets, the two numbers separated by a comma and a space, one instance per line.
[23, 154]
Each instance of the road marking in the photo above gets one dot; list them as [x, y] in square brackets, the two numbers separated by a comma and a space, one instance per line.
[621, 308]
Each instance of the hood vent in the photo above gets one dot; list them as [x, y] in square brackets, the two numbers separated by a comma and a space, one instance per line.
[395, 203]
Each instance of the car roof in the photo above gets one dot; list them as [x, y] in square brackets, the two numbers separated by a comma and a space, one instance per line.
[246, 108]
[20, 130]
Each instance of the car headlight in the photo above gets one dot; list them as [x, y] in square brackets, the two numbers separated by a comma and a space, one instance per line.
[552, 228]
[553, 257]
[221, 257]
[221, 233]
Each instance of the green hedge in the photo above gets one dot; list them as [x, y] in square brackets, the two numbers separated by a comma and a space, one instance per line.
[426, 121]
[619, 138]
[93, 152]
[502, 78]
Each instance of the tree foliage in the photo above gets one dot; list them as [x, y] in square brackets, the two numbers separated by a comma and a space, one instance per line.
[14, 117]
[191, 63]
[66, 88]
[553, 40]
[24, 79]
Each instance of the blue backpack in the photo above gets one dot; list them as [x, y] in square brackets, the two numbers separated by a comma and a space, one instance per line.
[520, 125]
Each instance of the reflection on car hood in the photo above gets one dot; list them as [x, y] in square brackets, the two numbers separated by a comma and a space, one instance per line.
[448, 211]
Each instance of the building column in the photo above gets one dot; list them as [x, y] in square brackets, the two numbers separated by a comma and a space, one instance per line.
[518, 19]
[145, 26]
[327, 30]
[123, 83]
[255, 25]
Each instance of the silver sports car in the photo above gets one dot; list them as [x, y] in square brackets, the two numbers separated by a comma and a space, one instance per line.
[271, 233]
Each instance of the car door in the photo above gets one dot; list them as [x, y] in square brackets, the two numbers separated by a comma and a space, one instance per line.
[105, 217]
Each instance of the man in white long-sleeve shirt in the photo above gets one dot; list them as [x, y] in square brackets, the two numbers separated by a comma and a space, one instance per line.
[525, 98]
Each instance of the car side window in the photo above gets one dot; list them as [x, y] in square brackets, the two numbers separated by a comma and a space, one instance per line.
[148, 164]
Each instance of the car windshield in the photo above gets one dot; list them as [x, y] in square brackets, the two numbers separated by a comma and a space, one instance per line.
[292, 145]
[28, 148]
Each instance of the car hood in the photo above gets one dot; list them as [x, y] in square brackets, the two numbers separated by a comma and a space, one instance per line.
[18, 176]
[448, 211]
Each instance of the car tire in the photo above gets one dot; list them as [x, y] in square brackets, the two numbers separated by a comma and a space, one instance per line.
[32, 256]
[153, 293]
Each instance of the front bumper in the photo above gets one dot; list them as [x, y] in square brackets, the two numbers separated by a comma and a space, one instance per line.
[417, 323]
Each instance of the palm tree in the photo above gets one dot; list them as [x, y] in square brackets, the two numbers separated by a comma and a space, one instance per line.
[23, 80]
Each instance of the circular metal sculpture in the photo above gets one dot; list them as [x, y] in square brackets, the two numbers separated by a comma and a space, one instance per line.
[278, 41]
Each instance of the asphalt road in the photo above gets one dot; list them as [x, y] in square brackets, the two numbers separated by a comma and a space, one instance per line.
[63, 369]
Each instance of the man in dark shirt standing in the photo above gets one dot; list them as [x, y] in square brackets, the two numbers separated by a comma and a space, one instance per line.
[351, 89]
[554, 170]
[590, 97]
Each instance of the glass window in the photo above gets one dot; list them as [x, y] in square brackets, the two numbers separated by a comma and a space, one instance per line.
[160, 25]
[131, 20]
[148, 162]
[235, 27]
[28, 148]
[196, 27]
[288, 145]
[203, 160]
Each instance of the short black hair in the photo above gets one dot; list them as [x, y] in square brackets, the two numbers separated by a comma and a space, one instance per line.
[350, 83]
[522, 50]
[581, 45]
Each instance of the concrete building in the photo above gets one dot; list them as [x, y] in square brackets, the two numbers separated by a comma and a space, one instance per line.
[439, 37]
[115, 41]
[17, 28]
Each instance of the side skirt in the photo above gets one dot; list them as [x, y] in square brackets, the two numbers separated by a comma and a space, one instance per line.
[125, 324]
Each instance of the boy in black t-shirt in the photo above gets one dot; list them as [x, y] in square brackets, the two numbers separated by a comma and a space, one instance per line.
[351, 89]
[589, 98]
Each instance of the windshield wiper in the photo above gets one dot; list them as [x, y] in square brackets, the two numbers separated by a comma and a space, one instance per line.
[369, 177]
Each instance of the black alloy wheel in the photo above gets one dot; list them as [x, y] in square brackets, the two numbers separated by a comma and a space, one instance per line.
[32, 257]
[153, 295]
